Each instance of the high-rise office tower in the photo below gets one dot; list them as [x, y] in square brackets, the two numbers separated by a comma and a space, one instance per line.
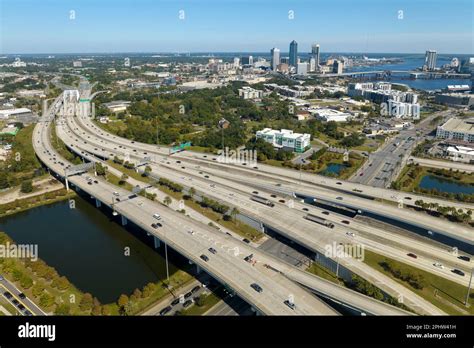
[275, 58]
[430, 60]
[312, 64]
[315, 53]
[247, 60]
[293, 53]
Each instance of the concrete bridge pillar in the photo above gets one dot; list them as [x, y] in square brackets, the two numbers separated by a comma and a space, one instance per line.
[98, 203]
[198, 269]
[124, 220]
[67, 184]
[156, 242]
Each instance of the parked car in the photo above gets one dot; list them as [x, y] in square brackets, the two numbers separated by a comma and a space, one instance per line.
[165, 310]
[187, 303]
[7, 294]
[188, 294]
[256, 287]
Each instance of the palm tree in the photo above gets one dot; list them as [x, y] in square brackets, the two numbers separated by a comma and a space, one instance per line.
[234, 212]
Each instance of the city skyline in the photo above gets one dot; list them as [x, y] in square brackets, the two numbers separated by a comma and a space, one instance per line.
[212, 26]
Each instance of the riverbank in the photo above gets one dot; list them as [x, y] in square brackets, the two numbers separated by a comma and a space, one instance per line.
[34, 201]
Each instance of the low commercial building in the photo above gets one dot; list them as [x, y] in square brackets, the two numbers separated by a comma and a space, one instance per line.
[9, 130]
[30, 93]
[460, 153]
[12, 113]
[327, 115]
[118, 106]
[250, 93]
[285, 139]
[455, 99]
[296, 92]
[457, 130]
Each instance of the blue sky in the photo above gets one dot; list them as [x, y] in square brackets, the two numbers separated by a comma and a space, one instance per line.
[44, 26]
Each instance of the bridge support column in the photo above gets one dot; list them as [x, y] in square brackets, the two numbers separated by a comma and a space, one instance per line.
[198, 269]
[156, 242]
[124, 220]
[98, 203]
[257, 313]
[67, 184]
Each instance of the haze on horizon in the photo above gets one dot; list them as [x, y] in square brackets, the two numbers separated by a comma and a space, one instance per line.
[122, 26]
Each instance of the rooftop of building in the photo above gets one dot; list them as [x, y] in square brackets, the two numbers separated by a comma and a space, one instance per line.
[15, 111]
[459, 125]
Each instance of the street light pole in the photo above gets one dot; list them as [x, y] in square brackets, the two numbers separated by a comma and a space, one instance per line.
[222, 129]
[167, 270]
[466, 302]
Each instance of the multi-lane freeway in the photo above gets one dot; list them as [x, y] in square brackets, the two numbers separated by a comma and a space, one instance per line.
[141, 212]
[103, 150]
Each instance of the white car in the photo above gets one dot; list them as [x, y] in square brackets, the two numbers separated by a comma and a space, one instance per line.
[157, 216]
[438, 265]
[116, 193]
[350, 234]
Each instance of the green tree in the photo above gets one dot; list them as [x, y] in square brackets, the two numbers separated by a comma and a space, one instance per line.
[26, 186]
[123, 179]
[46, 300]
[63, 309]
[167, 200]
[123, 300]
[87, 301]
[100, 169]
[4, 180]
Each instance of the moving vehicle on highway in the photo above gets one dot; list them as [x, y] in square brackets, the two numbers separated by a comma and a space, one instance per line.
[262, 200]
[319, 220]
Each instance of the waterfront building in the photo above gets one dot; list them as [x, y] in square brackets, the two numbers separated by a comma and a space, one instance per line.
[430, 60]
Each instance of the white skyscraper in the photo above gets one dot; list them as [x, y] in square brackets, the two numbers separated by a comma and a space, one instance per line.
[236, 62]
[302, 68]
[312, 64]
[315, 54]
[275, 58]
[430, 60]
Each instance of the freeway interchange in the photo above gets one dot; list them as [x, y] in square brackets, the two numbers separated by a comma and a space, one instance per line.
[234, 184]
